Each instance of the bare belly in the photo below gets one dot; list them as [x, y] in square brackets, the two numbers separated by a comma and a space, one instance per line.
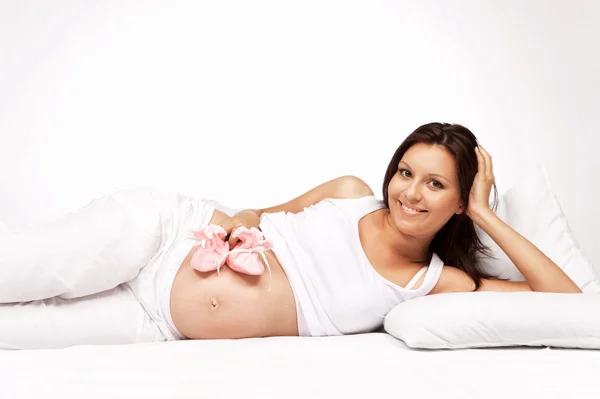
[232, 305]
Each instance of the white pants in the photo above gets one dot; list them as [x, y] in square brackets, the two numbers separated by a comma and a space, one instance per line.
[99, 275]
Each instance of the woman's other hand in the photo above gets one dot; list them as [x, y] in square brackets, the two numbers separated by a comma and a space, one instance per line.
[482, 185]
[247, 218]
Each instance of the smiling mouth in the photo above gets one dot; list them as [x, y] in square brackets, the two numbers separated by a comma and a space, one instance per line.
[410, 210]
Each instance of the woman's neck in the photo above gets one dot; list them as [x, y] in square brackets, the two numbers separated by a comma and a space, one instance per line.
[409, 248]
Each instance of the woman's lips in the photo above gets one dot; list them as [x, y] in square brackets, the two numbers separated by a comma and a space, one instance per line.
[408, 213]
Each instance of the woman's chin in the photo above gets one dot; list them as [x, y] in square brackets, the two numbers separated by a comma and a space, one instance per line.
[406, 225]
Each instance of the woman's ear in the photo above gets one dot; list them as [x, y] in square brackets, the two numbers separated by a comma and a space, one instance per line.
[460, 209]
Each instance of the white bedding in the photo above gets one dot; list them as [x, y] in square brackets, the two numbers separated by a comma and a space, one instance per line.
[359, 366]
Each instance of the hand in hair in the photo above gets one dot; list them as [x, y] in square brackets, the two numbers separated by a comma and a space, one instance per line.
[482, 184]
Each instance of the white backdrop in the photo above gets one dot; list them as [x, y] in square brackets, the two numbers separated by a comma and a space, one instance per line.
[254, 102]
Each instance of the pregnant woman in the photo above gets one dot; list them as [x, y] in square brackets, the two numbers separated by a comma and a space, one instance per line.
[141, 265]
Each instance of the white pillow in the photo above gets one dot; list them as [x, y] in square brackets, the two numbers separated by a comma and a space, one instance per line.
[482, 319]
[532, 209]
[3, 228]
[497, 319]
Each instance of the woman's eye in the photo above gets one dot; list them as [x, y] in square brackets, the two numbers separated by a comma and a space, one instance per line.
[406, 173]
[437, 184]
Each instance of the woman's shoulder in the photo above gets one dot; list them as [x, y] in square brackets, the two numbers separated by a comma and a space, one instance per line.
[452, 279]
[353, 187]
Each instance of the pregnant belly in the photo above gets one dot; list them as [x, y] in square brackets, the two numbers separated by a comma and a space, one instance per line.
[205, 305]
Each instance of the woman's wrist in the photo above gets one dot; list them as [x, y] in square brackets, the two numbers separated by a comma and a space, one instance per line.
[254, 212]
[483, 217]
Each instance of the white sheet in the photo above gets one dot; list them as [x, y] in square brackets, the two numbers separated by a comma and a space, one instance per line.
[360, 366]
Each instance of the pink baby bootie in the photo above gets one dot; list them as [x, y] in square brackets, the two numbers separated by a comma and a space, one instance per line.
[213, 253]
[244, 257]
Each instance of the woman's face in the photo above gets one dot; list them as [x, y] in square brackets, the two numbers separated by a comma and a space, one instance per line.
[426, 181]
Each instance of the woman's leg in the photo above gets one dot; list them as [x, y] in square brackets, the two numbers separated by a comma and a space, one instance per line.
[91, 250]
[109, 318]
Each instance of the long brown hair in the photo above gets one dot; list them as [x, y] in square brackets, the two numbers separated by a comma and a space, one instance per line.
[457, 242]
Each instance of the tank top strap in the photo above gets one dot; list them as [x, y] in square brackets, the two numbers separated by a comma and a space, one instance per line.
[432, 276]
[416, 278]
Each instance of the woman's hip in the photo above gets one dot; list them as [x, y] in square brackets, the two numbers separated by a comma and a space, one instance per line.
[153, 285]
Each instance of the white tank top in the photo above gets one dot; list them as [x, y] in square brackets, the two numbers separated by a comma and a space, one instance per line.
[337, 291]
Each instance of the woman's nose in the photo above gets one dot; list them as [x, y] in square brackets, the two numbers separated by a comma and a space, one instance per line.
[413, 193]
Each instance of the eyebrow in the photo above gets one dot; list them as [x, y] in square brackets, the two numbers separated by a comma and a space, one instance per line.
[431, 174]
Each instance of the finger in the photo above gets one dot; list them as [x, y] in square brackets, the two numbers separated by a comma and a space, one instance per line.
[232, 241]
[480, 160]
[488, 162]
[228, 227]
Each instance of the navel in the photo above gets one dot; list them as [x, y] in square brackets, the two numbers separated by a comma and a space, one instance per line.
[214, 303]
